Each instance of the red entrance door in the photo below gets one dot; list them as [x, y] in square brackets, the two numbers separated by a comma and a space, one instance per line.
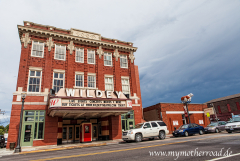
[86, 132]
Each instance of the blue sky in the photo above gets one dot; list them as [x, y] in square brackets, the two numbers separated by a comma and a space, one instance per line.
[183, 46]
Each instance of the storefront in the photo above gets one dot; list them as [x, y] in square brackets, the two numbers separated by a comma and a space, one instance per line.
[79, 87]
[173, 114]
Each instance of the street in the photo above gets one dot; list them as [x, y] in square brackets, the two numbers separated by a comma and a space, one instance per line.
[198, 147]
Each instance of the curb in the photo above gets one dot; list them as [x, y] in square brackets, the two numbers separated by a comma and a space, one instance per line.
[71, 147]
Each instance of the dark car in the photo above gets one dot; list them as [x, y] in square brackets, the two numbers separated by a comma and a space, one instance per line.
[188, 129]
[215, 127]
[2, 141]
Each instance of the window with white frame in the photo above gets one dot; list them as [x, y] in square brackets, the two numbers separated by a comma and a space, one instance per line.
[80, 55]
[34, 84]
[58, 81]
[123, 61]
[60, 52]
[125, 86]
[91, 81]
[109, 83]
[91, 56]
[108, 59]
[37, 49]
[79, 80]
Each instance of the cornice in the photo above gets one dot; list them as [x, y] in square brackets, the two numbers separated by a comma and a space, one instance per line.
[75, 39]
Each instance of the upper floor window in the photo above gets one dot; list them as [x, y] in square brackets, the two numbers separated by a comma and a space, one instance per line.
[34, 84]
[109, 83]
[229, 108]
[125, 86]
[79, 80]
[80, 55]
[60, 52]
[37, 49]
[123, 61]
[219, 109]
[108, 59]
[91, 56]
[58, 81]
[91, 81]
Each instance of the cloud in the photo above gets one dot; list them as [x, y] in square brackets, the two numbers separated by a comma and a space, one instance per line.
[183, 46]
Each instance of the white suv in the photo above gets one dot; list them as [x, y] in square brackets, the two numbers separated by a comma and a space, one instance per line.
[149, 130]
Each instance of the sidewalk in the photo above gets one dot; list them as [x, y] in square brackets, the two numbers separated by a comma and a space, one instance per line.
[26, 150]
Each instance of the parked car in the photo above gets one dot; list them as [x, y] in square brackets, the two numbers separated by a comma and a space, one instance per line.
[233, 125]
[149, 130]
[6, 138]
[188, 129]
[215, 127]
[2, 141]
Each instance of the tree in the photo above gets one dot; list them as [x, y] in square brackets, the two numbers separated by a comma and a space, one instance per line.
[1, 132]
[6, 128]
[2, 127]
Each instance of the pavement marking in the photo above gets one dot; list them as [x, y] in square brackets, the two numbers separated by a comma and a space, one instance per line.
[71, 147]
[80, 155]
[225, 157]
[73, 156]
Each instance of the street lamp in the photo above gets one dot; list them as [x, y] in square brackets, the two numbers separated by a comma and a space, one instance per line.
[187, 99]
[18, 148]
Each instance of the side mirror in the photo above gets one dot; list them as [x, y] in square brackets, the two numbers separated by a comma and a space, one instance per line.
[144, 127]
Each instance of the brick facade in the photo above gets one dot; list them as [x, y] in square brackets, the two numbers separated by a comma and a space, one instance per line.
[225, 107]
[171, 112]
[47, 64]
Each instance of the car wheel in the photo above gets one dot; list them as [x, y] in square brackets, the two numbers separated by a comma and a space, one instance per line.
[186, 133]
[229, 131]
[200, 132]
[162, 135]
[128, 141]
[138, 137]
[216, 131]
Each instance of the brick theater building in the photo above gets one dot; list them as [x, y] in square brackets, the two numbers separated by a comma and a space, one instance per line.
[225, 107]
[79, 86]
[173, 114]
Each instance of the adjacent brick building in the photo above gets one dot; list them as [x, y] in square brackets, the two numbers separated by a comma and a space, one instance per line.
[225, 106]
[173, 114]
[94, 79]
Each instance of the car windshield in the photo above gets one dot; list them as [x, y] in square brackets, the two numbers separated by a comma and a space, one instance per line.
[235, 119]
[138, 126]
[213, 124]
[5, 139]
[183, 127]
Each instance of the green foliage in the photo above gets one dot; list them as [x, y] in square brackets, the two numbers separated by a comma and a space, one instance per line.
[1, 131]
[7, 128]
[2, 127]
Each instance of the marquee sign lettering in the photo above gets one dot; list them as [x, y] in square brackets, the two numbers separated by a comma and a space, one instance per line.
[103, 100]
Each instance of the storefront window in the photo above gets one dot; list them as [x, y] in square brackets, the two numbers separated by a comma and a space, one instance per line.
[128, 120]
[38, 118]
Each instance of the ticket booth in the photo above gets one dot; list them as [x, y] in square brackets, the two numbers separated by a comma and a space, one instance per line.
[85, 132]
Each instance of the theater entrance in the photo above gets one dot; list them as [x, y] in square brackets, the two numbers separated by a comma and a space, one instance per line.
[68, 133]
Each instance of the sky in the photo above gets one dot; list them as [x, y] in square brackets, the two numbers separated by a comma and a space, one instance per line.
[184, 46]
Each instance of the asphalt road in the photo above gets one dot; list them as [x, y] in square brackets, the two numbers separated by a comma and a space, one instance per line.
[198, 147]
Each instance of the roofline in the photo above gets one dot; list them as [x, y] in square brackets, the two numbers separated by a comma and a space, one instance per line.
[77, 30]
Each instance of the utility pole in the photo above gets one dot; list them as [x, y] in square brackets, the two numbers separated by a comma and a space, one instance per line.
[1, 112]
